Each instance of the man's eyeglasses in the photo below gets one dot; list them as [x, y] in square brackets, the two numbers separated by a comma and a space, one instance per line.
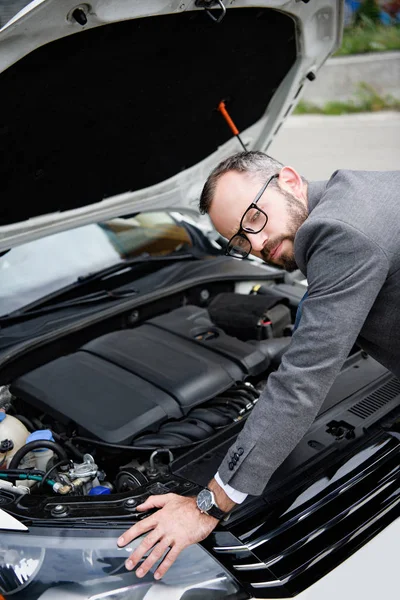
[253, 221]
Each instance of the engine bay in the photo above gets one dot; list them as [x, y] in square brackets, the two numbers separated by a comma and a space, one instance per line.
[147, 408]
[113, 415]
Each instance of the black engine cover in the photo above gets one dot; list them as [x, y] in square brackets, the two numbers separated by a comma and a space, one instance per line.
[126, 382]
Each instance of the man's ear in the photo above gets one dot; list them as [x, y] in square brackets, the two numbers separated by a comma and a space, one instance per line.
[290, 181]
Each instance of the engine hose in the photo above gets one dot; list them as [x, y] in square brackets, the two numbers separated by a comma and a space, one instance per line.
[249, 389]
[235, 395]
[37, 423]
[57, 437]
[243, 394]
[26, 476]
[49, 471]
[28, 424]
[196, 427]
[191, 428]
[229, 405]
[76, 453]
[86, 440]
[225, 419]
[238, 403]
[164, 440]
[16, 472]
[19, 455]
[245, 401]
[210, 416]
[230, 420]
[226, 407]
[221, 412]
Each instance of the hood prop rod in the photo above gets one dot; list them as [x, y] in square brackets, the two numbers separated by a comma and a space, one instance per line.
[231, 124]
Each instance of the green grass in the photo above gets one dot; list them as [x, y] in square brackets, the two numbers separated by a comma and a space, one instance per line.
[368, 37]
[366, 99]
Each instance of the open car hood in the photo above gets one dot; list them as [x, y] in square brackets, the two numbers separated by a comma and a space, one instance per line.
[110, 108]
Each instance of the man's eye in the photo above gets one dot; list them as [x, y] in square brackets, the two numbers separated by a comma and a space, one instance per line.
[254, 220]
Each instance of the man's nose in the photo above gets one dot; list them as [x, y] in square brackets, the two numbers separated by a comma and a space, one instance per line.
[258, 240]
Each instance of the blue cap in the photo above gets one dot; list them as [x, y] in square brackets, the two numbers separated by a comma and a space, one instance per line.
[99, 490]
[40, 434]
[2, 416]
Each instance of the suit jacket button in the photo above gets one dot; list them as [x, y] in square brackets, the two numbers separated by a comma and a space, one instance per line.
[231, 465]
[240, 451]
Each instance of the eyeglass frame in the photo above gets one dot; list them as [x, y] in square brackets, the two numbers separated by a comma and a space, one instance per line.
[242, 229]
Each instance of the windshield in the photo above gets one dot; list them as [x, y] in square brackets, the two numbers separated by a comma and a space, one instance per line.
[33, 270]
[9, 8]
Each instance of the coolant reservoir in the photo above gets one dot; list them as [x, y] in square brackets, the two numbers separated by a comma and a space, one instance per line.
[40, 457]
[11, 429]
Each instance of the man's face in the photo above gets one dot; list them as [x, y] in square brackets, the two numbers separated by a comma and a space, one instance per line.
[286, 212]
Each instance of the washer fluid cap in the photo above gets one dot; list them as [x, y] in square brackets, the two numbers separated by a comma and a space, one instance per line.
[2, 416]
[99, 490]
[40, 434]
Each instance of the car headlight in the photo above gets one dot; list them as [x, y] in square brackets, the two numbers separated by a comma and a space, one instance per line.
[74, 565]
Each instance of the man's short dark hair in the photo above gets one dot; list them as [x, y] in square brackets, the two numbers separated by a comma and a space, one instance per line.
[253, 163]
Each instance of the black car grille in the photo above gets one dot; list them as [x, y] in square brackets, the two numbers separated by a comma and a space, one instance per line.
[312, 539]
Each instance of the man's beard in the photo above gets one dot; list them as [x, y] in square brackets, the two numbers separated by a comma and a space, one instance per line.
[297, 214]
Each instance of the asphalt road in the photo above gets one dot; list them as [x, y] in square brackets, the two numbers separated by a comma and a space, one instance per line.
[318, 145]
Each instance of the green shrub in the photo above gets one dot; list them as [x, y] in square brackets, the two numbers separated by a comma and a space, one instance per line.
[369, 10]
[368, 37]
[366, 99]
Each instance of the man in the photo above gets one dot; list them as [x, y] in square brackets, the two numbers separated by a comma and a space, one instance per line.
[344, 235]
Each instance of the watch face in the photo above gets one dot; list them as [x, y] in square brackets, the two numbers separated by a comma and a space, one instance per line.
[205, 500]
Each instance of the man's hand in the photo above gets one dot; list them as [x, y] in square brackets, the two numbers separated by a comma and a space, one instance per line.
[176, 525]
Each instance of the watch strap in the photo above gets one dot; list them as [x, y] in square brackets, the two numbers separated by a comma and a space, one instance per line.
[217, 513]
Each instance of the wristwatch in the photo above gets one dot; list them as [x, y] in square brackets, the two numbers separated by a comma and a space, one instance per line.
[206, 503]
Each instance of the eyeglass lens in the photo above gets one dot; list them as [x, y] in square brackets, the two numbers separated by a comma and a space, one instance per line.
[253, 220]
[239, 247]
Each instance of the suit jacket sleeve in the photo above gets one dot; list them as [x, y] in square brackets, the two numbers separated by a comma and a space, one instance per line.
[345, 272]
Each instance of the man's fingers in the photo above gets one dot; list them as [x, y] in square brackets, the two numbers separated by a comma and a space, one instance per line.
[178, 524]
[137, 530]
[146, 544]
[149, 523]
[154, 502]
[155, 555]
[168, 561]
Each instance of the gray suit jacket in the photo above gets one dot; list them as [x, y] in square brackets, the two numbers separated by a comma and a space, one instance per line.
[349, 250]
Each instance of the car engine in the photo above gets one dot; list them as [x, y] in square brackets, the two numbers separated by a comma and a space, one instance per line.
[112, 415]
